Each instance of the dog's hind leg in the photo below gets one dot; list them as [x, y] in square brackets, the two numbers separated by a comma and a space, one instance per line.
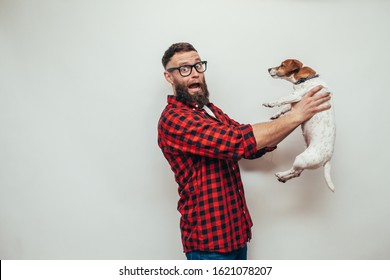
[306, 160]
[287, 175]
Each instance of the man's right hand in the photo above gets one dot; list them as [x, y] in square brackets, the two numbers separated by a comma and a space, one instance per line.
[310, 104]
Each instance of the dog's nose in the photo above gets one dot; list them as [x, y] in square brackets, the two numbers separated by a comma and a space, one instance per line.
[269, 70]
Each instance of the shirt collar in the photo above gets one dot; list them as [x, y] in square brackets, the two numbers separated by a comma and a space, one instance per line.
[174, 100]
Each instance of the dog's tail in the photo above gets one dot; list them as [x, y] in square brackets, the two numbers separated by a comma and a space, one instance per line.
[327, 176]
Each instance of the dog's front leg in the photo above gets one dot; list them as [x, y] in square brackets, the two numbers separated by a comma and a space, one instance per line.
[285, 109]
[283, 101]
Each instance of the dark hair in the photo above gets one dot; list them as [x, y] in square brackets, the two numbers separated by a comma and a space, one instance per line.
[176, 48]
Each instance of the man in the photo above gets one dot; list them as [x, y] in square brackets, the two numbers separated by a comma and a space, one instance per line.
[203, 146]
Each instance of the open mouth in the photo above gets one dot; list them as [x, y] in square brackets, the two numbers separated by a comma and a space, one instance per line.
[194, 86]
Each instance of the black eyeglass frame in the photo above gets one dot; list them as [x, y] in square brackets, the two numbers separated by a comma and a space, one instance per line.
[170, 70]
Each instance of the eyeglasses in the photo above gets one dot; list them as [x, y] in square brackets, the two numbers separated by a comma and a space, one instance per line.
[186, 70]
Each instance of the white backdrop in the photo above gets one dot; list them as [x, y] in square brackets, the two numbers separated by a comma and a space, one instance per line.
[81, 91]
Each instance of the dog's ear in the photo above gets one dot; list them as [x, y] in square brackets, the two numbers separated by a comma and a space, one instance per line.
[295, 65]
[304, 72]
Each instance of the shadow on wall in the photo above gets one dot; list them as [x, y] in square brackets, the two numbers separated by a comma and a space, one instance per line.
[298, 196]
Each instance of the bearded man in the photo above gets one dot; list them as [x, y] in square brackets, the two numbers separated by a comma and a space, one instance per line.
[203, 145]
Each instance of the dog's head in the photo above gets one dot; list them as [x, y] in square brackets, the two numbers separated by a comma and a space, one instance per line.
[291, 70]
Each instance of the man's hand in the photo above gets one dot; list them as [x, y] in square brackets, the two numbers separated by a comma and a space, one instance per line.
[310, 104]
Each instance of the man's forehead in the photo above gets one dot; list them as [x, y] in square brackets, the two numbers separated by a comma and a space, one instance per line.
[183, 58]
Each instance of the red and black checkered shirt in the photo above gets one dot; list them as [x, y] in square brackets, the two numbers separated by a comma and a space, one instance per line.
[203, 153]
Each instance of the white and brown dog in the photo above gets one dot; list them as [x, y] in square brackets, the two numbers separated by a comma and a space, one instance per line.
[319, 132]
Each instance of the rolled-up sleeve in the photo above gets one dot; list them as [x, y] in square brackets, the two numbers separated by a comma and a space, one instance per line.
[186, 131]
[253, 154]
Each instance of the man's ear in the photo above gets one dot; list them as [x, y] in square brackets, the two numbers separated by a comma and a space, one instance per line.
[168, 77]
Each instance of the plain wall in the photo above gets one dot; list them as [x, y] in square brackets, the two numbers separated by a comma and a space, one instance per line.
[82, 89]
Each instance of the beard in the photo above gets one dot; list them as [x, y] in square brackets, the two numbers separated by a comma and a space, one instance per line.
[201, 98]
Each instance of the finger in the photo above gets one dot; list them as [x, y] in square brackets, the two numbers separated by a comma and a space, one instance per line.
[323, 97]
[320, 100]
[314, 90]
[323, 107]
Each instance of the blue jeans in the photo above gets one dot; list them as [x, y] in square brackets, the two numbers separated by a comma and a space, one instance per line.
[240, 254]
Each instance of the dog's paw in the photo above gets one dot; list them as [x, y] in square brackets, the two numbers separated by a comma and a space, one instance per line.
[280, 178]
[269, 105]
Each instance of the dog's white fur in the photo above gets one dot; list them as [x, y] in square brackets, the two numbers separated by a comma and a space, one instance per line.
[319, 132]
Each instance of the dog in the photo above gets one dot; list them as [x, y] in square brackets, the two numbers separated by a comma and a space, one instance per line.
[319, 132]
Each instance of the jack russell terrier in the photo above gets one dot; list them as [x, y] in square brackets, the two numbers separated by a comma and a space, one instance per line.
[319, 131]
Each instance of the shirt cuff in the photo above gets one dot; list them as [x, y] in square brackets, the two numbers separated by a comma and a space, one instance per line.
[250, 147]
[249, 141]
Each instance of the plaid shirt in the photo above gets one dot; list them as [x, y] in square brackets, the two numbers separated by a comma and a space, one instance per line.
[203, 153]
